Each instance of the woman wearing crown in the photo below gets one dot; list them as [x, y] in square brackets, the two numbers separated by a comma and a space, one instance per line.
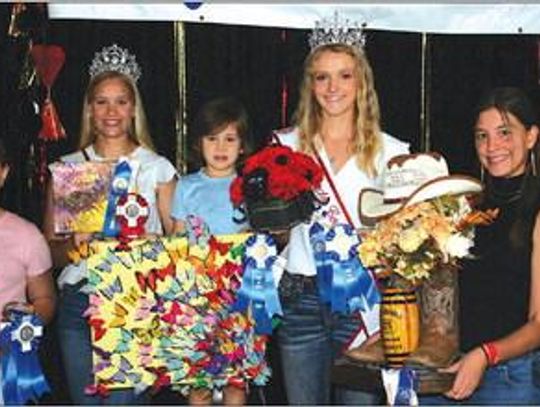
[337, 121]
[113, 127]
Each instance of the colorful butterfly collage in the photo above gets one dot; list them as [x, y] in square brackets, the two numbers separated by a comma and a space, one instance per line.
[156, 307]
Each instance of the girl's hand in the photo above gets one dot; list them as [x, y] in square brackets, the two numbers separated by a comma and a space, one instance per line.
[469, 371]
[80, 238]
[16, 306]
[78, 249]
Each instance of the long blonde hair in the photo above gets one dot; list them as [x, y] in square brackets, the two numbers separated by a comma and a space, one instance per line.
[139, 132]
[308, 117]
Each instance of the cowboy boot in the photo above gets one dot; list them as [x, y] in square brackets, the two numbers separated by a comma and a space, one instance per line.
[439, 326]
[370, 352]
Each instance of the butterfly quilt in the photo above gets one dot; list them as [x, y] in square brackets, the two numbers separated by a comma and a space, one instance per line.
[161, 314]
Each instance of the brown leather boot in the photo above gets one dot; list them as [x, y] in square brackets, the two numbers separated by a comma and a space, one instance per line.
[439, 331]
[371, 351]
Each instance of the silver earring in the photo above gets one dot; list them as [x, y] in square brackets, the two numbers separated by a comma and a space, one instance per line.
[482, 173]
[532, 157]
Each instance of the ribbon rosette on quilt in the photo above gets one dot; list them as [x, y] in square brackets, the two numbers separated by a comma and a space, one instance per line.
[132, 211]
[343, 281]
[23, 378]
[258, 287]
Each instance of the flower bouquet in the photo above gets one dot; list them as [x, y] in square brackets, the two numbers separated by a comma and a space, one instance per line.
[406, 248]
[276, 188]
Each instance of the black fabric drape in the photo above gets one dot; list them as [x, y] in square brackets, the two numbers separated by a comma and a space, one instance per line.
[464, 67]
[248, 63]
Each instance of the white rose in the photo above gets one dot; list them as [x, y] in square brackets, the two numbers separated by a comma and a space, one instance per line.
[458, 246]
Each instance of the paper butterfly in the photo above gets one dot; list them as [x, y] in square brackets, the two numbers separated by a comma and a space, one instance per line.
[174, 363]
[94, 278]
[150, 280]
[131, 297]
[124, 373]
[110, 260]
[103, 359]
[146, 335]
[98, 329]
[221, 247]
[173, 292]
[144, 308]
[94, 304]
[119, 318]
[165, 342]
[114, 288]
[102, 353]
[173, 314]
[145, 354]
[162, 377]
[152, 249]
[158, 306]
[126, 338]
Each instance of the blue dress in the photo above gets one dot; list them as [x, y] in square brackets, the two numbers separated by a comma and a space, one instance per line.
[207, 198]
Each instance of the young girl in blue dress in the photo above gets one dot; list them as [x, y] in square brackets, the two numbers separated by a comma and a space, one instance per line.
[221, 132]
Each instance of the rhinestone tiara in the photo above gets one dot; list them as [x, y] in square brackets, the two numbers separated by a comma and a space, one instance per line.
[337, 31]
[115, 58]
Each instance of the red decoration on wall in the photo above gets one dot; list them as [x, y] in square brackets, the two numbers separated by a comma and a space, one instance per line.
[48, 60]
[284, 87]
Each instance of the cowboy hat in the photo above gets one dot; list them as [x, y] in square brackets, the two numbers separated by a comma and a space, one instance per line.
[409, 179]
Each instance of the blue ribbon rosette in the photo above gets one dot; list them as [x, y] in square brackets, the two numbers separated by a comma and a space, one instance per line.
[22, 376]
[119, 187]
[258, 287]
[343, 281]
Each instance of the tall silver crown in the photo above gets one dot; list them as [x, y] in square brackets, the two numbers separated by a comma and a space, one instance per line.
[337, 31]
[115, 58]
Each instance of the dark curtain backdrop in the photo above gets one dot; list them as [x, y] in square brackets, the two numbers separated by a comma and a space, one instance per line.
[249, 63]
[464, 67]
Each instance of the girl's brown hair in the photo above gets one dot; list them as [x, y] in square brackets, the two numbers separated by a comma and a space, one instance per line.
[214, 117]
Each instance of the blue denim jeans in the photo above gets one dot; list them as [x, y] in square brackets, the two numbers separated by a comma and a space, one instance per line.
[75, 345]
[310, 338]
[510, 383]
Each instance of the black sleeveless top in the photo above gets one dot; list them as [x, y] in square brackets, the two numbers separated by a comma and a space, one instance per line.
[494, 287]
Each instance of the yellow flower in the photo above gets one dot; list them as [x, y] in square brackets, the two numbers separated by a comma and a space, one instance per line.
[411, 239]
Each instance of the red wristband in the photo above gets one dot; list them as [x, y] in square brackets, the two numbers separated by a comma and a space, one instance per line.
[491, 352]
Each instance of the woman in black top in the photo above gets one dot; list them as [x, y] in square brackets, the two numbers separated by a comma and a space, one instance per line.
[500, 287]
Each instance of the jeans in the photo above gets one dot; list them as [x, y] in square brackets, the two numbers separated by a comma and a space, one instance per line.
[508, 383]
[310, 338]
[75, 345]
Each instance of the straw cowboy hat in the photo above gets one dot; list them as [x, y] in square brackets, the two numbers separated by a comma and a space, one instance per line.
[412, 178]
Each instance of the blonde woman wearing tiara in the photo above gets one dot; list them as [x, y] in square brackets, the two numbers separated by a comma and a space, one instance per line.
[337, 121]
[113, 126]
